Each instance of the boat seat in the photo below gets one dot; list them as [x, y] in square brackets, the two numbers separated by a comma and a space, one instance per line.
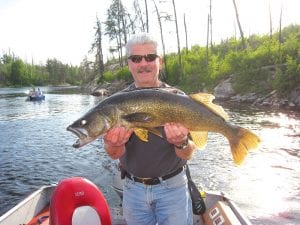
[76, 199]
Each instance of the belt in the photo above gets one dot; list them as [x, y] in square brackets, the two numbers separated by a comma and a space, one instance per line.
[155, 180]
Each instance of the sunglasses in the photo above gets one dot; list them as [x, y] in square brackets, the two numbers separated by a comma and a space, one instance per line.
[139, 58]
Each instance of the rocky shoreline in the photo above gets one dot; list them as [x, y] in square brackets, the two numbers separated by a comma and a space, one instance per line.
[104, 89]
[223, 92]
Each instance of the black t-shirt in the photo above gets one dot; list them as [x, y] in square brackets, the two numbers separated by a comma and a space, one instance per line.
[154, 158]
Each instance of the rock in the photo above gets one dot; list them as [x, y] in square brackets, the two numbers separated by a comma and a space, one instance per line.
[295, 96]
[100, 92]
[106, 88]
[224, 90]
[292, 105]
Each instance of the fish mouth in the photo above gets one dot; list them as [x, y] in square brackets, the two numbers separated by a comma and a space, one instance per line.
[83, 137]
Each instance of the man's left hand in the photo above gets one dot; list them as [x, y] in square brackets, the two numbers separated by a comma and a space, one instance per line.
[176, 133]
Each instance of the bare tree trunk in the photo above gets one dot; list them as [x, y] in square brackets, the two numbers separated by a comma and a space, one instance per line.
[124, 28]
[138, 13]
[280, 36]
[162, 43]
[207, 40]
[234, 24]
[118, 49]
[147, 17]
[239, 24]
[271, 29]
[120, 35]
[178, 42]
[99, 49]
[236, 49]
[210, 23]
[131, 26]
[186, 36]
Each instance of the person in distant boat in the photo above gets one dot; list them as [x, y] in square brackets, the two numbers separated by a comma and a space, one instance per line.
[38, 93]
[32, 92]
[155, 188]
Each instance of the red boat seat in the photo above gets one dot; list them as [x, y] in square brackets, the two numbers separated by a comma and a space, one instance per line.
[72, 193]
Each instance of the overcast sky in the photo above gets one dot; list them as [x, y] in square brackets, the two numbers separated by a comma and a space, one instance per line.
[63, 29]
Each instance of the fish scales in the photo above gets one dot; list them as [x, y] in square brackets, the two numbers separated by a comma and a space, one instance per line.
[166, 107]
[147, 109]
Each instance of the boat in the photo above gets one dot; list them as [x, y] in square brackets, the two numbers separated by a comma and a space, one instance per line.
[36, 98]
[77, 200]
[35, 95]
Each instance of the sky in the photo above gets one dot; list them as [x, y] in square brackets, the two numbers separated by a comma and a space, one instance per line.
[37, 30]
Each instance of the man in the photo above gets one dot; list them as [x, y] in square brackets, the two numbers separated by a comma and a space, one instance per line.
[155, 188]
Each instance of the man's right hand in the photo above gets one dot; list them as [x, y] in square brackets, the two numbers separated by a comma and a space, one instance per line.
[115, 140]
[117, 136]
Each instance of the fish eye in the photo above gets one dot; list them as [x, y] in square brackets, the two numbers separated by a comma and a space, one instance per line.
[82, 122]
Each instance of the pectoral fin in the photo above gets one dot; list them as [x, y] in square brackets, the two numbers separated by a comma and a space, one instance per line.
[142, 133]
[199, 138]
[138, 117]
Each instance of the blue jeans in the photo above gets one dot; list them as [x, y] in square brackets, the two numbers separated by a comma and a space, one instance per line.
[167, 203]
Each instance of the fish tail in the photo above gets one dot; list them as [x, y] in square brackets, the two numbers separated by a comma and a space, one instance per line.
[241, 143]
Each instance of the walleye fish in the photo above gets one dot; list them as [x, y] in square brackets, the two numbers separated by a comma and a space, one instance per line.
[146, 109]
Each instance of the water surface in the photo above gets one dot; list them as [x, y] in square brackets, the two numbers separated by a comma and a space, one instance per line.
[37, 150]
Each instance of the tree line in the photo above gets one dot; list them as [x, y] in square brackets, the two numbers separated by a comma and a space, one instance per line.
[195, 68]
[15, 72]
[266, 64]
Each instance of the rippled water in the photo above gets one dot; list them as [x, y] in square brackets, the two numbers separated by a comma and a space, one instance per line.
[37, 150]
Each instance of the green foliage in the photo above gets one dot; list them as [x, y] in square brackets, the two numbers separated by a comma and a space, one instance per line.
[258, 81]
[109, 76]
[265, 54]
[253, 68]
[5, 68]
[17, 72]
[14, 72]
[173, 69]
[291, 46]
[265, 65]
[119, 74]
[124, 74]
[289, 79]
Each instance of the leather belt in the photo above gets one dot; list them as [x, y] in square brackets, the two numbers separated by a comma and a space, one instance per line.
[155, 180]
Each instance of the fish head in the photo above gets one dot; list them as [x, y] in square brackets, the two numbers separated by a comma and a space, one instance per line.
[89, 127]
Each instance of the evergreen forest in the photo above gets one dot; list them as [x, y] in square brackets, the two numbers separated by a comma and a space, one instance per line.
[259, 63]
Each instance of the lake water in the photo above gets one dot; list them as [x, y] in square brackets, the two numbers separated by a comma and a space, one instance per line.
[37, 150]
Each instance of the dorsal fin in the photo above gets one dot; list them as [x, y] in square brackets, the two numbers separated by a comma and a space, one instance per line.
[207, 99]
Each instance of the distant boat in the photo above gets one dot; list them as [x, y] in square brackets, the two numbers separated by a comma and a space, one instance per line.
[36, 98]
[34, 95]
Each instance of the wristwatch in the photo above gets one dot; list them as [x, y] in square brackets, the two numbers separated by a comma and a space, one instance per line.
[183, 145]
